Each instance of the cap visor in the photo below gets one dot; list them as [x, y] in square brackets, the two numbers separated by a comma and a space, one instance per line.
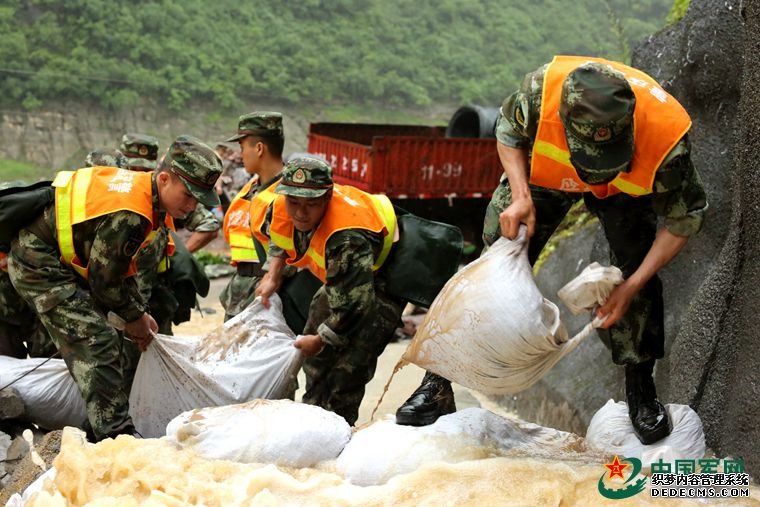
[235, 138]
[601, 156]
[292, 191]
[206, 197]
[138, 163]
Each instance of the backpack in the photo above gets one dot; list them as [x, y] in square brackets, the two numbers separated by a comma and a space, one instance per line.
[420, 263]
[19, 206]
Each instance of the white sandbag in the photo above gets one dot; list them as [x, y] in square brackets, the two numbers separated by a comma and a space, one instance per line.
[590, 288]
[278, 432]
[490, 328]
[384, 449]
[251, 356]
[610, 430]
[51, 397]
[20, 499]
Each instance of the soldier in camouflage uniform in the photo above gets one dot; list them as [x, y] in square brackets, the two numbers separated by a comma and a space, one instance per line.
[72, 296]
[105, 157]
[261, 139]
[168, 301]
[21, 332]
[597, 103]
[140, 152]
[352, 318]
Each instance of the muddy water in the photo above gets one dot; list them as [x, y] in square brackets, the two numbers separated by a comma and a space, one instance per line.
[130, 472]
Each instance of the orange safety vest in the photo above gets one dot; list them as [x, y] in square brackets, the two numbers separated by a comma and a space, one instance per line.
[96, 191]
[659, 122]
[237, 222]
[349, 208]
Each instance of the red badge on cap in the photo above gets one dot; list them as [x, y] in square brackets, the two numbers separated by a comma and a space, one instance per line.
[602, 134]
[299, 176]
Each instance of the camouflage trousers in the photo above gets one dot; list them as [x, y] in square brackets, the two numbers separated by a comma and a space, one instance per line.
[336, 379]
[238, 294]
[99, 359]
[630, 225]
[21, 332]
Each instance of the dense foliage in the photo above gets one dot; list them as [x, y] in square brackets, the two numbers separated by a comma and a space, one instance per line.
[390, 52]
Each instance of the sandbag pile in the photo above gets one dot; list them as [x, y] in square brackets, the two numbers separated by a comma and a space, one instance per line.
[279, 432]
[51, 397]
[384, 449]
[251, 356]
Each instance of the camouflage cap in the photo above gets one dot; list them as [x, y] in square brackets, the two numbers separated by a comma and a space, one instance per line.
[596, 109]
[259, 123]
[308, 177]
[140, 150]
[197, 165]
[105, 157]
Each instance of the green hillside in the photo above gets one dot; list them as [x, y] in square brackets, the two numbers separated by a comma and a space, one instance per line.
[387, 53]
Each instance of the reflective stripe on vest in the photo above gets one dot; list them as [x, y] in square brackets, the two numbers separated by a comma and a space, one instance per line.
[659, 123]
[164, 263]
[237, 222]
[93, 192]
[349, 208]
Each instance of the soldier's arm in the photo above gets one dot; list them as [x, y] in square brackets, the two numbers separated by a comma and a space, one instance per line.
[515, 130]
[350, 285]
[204, 227]
[679, 196]
[680, 199]
[117, 239]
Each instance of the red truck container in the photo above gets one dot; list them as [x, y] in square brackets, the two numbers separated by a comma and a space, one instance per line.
[449, 179]
[406, 161]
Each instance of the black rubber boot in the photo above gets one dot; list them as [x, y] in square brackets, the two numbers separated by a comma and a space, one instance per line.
[431, 400]
[649, 418]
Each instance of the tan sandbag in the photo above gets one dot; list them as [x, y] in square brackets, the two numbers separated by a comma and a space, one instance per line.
[491, 329]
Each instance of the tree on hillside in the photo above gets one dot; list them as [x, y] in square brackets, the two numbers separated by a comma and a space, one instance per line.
[392, 53]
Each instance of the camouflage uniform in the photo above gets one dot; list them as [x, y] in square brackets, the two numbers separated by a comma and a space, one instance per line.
[105, 157]
[352, 314]
[73, 309]
[240, 291]
[21, 332]
[629, 223]
[157, 288]
[140, 151]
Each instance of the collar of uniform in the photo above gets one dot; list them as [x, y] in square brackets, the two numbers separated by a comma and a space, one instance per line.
[272, 180]
[156, 203]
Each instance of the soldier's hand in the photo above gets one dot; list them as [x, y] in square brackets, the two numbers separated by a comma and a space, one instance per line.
[142, 330]
[310, 344]
[521, 211]
[267, 286]
[617, 304]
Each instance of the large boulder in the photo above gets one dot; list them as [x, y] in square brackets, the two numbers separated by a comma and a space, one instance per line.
[699, 60]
